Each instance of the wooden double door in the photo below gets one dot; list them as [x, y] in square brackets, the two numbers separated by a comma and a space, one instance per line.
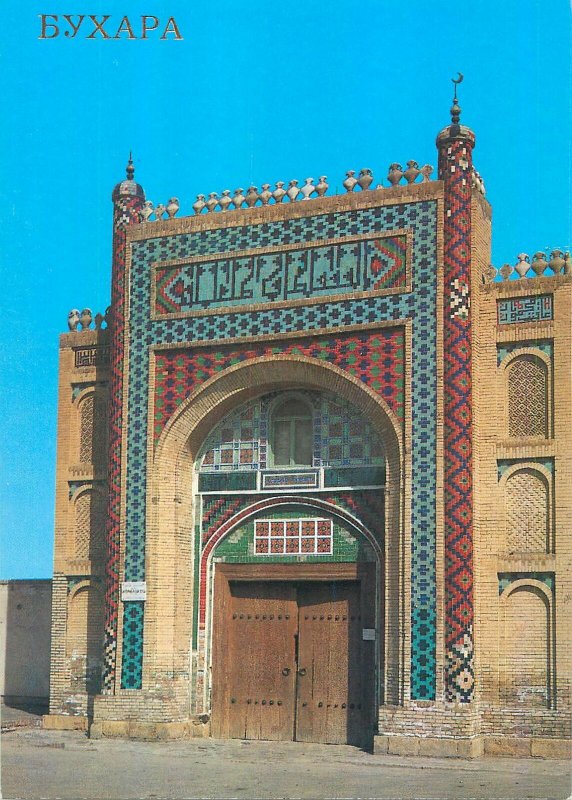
[290, 661]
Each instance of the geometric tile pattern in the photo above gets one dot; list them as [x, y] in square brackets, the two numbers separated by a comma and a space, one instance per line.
[132, 663]
[234, 443]
[376, 358]
[459, 299]
[241, 544]
[455, 169]
[280, 273]
[418, 305]
[311, 536]
[125, 212]
[524, 309]
[365, 504]
[388, 263]
[341, 436]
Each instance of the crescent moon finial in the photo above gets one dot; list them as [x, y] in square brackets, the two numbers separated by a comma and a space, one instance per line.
[455, 109]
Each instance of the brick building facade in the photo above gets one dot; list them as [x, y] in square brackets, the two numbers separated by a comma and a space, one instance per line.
[314, 473]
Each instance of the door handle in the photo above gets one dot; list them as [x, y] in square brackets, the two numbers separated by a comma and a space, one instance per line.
[302, 672]
[286, 671]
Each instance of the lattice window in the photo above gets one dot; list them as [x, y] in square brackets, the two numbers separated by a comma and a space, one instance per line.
[293, 537]
[527, 509]
[100, 427]
[527, 397]
[93, 431]
[292, 434]
[82, 525]
[86, 429]
[337, 434]
[90, 526]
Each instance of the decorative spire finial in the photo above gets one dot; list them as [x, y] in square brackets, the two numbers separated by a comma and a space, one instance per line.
[130, 170]
[456, 108]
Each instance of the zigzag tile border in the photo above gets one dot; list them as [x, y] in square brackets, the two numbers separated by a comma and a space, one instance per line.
[455, 164]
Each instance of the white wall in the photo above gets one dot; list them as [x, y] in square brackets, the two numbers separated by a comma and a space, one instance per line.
[25, 619]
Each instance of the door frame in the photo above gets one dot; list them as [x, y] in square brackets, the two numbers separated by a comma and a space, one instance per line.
[365, 573]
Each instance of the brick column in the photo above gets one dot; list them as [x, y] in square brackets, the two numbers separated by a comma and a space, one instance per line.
[128, 199]
[455, 144]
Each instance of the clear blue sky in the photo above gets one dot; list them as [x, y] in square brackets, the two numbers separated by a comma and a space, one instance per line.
[256, 92]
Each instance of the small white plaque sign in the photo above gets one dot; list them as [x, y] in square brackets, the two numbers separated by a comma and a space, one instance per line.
[368, 634]
[134, 590]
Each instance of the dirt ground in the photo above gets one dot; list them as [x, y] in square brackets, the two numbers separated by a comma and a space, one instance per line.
[69, 766]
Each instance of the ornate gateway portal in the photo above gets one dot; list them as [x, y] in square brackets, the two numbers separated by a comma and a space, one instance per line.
[291, 572]
[266, 488]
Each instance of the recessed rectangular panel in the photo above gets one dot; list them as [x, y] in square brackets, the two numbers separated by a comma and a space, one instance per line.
[290, 480]
[288, 273]
[524, 309]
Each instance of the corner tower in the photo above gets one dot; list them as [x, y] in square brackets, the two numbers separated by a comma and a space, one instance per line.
[128, 200]
[455, 144]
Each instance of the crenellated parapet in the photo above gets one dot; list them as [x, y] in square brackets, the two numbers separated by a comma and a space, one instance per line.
[558, 262]
[85, 320]
[288, 191]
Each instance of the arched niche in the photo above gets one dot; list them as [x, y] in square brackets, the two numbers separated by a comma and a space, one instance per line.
[170, 558]
[84, 635]
[526, 678]
[527, 491]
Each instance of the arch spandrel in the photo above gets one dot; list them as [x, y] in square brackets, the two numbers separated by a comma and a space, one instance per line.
[203, 409]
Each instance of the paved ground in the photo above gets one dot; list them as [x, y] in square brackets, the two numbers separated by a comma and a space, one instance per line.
[69, 766]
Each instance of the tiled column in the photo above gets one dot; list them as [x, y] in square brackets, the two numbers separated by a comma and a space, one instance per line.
[455, 145]
[128, 199]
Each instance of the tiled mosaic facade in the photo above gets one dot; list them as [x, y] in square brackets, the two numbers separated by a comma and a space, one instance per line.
[376, 358]
[192, 365]
[507, 578]
[505, 463]
[361, 510]
[542, 345]
[455, 165]
[132, 665]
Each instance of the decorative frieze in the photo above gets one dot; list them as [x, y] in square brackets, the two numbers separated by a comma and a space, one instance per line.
[525, 309]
